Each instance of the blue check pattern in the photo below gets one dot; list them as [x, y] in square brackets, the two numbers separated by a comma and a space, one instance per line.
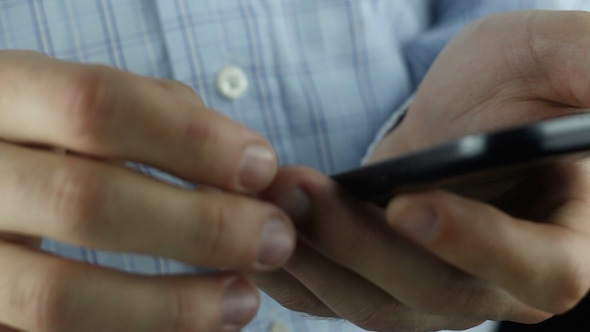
[324, 74]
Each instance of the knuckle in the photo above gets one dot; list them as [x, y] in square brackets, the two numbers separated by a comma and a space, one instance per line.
[215, 226]
[74, 200]
[201, 133]
[182, 314]
[203, 138]
[90, 102]
[210, 232]
[49, 302]
[189, 313]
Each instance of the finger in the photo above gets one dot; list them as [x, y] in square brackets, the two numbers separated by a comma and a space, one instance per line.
[291, 294]
[104, 112]
[81, 202]
[372, 308]
[356, 236]
[544, 265]
[44, 293]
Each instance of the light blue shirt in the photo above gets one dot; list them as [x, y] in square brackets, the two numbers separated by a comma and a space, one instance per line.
[323, 75]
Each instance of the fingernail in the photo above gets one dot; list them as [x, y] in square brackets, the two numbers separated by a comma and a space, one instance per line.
[240, 304]
[296, 204]
[277, 241]
[420, 223]
[257, 168]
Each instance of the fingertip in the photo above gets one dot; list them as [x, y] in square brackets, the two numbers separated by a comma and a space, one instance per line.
[240, 303]
[258, 167]
[296, 203]
[295, 190]
[287, 178]
[276, 245]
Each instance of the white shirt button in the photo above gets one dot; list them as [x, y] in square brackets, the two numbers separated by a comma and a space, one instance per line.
[277, 326]
[232, 82]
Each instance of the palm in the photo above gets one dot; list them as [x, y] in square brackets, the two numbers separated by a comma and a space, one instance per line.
[485, 80]
[498, 73]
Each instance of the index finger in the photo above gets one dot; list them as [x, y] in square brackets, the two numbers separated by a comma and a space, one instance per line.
[104, 112]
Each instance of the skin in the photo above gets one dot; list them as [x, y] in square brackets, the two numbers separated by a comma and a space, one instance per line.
[450, 259]
[101, 117]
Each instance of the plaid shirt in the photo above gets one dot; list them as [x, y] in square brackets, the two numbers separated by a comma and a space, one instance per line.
[324, 75]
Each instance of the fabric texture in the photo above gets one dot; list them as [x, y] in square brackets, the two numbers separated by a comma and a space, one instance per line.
[324, 75]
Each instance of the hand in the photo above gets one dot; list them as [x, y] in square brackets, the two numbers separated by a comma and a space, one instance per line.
[437, 260]
[532, 238]
[103, 117]
[350, 264]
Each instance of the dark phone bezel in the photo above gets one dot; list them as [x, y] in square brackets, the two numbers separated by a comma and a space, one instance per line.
[473, 158]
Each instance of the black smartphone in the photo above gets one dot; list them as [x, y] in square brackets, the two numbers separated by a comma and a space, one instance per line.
[473, 159]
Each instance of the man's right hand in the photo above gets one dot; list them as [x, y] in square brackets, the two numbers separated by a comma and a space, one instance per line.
[99, 115]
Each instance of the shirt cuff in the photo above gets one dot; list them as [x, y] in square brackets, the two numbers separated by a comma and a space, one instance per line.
[388, 127]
